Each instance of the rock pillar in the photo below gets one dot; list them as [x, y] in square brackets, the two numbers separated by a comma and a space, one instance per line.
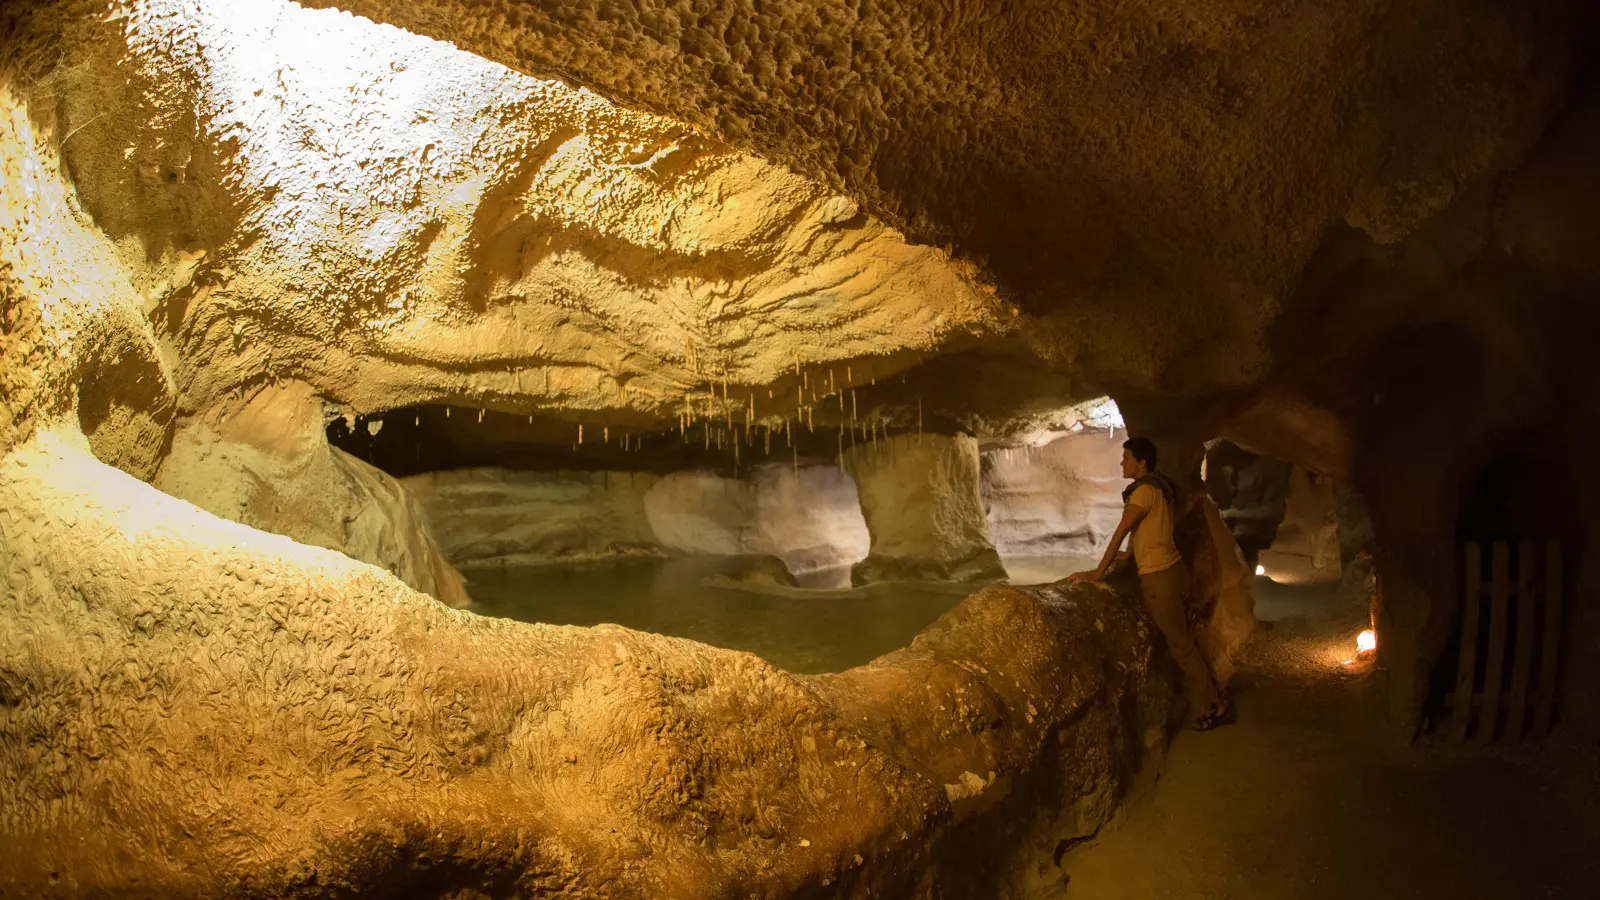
[920, 498]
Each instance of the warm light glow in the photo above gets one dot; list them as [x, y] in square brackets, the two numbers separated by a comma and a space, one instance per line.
[1261, 570]
[1367, 641]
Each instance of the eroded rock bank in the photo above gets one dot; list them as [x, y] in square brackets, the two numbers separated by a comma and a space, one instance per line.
[808, 517]
[265, 463]
[241, 685]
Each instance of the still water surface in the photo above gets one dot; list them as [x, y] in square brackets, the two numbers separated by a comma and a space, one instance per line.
[808, 631]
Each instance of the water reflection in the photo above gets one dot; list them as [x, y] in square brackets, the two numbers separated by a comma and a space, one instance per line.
[820, 630]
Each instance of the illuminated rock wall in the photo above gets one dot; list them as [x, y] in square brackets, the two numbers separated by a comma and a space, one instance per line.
[808, 518]
[269, 466]
[920, 497]
[1061, 499]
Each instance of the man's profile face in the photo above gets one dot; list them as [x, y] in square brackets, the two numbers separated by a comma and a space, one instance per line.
[1131, 468]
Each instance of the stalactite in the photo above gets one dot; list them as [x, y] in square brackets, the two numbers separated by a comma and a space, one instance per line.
[830, 380]
[480, 417]
[605, 434]
[580, 434]
[852, 406]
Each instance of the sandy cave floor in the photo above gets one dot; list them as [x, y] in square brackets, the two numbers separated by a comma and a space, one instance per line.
[1309, 796]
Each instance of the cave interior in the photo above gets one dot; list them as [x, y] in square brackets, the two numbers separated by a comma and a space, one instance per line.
[472, 448]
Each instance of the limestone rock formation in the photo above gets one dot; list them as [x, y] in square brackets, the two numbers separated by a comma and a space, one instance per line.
[495, 516]
[1356, 237]
[267, 465]
[920, 498]
[481, 236]
[808, 517]
[434, 747]
[1252, 492]
[1060, 499]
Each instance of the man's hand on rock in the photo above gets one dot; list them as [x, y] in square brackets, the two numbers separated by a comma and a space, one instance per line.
[1089, 577]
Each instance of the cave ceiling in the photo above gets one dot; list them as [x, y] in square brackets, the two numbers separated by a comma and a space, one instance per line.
[649, 211]
[1152, 181]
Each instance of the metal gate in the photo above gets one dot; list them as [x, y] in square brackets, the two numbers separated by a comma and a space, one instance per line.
[1509, 630]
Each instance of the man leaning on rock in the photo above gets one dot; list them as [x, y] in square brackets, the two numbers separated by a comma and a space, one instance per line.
[1163, 577]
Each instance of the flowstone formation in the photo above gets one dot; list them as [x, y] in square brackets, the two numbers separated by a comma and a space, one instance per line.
[241, 685]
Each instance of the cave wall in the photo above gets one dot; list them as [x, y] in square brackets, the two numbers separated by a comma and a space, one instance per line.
[1060, 499]
[268, 465]
[490, 516]
[920, 497]
[178, 685]
[807, 516]
[1310, 527]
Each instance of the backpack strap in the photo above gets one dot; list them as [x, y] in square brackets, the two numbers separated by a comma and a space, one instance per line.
[1155, 480]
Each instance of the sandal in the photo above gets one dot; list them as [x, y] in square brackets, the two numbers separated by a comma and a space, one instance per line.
[1216, 717]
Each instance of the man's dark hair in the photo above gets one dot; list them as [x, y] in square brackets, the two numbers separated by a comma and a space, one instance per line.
[1142, 449]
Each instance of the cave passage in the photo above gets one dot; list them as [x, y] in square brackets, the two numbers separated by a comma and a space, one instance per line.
[495, 449]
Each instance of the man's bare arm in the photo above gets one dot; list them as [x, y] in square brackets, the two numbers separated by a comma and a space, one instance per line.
[1131, 517]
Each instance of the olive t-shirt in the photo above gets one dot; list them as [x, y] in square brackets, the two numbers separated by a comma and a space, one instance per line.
[1153, 548]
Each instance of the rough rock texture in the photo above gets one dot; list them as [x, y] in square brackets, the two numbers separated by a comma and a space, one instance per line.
[1309, 534]
[1222, 586]
[1252, 491]
[1158, 177]
[920, 498]
[269, 466]
[396, 221]
[1356, 236]
[1315, 230]
[1060, 499]
[238, 685]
